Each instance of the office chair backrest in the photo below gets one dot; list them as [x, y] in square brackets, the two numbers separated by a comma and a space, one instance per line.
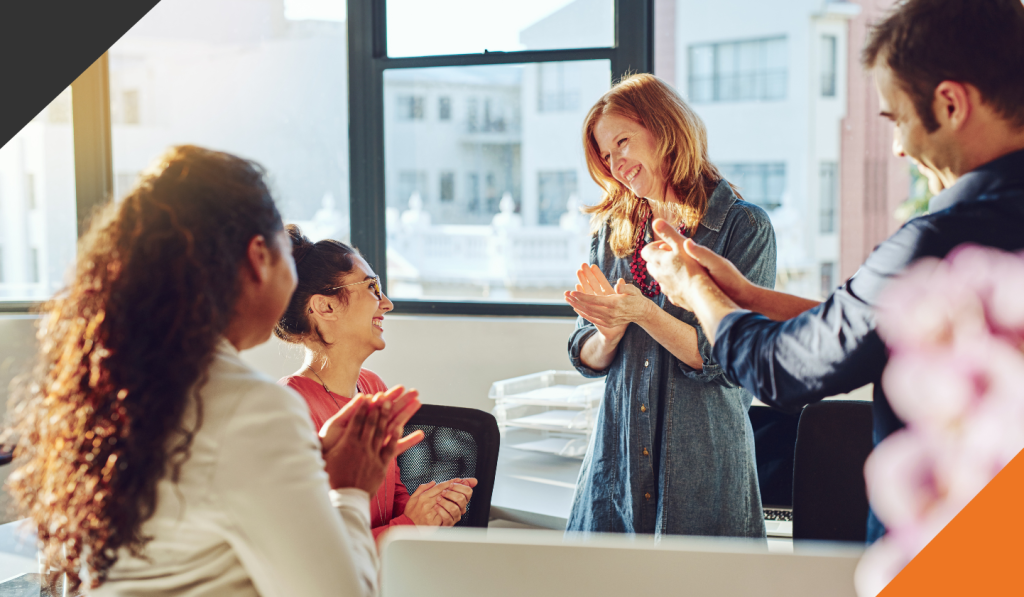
[459, 443]
[829, 498]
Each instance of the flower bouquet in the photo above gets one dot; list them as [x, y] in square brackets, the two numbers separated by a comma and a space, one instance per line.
[955, 331]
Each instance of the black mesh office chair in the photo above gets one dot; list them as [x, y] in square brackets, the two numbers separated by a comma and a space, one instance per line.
[829, 498]
[459, 443]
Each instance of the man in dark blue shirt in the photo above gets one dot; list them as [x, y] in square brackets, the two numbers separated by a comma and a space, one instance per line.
[950, 75]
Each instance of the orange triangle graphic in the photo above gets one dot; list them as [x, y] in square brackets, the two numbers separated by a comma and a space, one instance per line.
[979, 550]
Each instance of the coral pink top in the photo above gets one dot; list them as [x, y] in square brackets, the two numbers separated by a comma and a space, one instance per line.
[387, 506]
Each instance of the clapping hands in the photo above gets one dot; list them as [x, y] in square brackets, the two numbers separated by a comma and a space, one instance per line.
[359, 441]
[611, 310]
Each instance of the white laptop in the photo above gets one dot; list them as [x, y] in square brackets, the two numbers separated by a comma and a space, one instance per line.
[510, 562]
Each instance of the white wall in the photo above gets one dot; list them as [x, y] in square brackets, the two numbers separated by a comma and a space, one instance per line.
[451, 360]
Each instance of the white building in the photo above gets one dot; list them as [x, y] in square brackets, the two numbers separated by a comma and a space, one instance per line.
[769, 81]
[767, 78]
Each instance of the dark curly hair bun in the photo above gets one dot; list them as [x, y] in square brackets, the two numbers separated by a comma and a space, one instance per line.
[301, 245]
[320, 266]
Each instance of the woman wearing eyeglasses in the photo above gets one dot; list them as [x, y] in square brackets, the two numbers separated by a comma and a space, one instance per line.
[337, 314]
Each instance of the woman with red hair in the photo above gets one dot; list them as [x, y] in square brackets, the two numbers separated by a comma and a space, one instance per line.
[673, 451]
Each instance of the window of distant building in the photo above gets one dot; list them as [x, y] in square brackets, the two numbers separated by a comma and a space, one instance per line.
[410, 107]
[444, 108]
[829, 175]
[828, 66]
[491, 190]
[473, 192]
[558, 87]
[828, 282]
[739, 70]
[494, 116]
[553, 191]
[472, 114]
[447, 186]
[760, 184]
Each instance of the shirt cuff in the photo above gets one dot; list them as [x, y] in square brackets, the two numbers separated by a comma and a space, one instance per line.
[576, 348]
[353, 499]
[710, 368]
[720, 349]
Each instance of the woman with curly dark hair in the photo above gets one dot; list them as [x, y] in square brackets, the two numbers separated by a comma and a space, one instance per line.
[151, 458]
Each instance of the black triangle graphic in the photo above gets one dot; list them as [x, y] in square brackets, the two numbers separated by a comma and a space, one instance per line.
[46, 44]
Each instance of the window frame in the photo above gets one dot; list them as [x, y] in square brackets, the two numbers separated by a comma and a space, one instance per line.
[94, 164]
[631, 52]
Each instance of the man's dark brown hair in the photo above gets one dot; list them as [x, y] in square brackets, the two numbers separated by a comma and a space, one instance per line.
[980, 42]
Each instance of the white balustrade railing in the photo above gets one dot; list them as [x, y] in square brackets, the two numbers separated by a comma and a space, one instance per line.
[539, 256]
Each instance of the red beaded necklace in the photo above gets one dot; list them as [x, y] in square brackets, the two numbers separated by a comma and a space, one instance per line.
[638, 268]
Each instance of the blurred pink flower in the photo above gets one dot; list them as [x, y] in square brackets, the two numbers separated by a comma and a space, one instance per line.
[937, 386]
[955, 329]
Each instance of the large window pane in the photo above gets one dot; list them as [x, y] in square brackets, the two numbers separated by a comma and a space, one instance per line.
[259, 78]
[483, 198]
[418, 28]
[38, 228]
[738, 70]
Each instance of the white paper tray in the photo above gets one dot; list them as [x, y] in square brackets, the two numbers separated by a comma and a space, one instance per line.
[567, 389]
[560, 446]
[556, 420]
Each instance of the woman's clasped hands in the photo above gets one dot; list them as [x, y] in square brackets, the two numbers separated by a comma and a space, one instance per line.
[440, 504]
[360, 440]
[611, 310]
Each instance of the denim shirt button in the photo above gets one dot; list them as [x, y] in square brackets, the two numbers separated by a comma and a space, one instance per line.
[646, 363]
[643, 408]
[647, 495]
[646, 452]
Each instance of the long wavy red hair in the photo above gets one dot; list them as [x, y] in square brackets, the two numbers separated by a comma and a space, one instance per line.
[123, 351]
[682, 145]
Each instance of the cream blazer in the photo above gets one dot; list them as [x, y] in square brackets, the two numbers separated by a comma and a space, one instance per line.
[252, 513]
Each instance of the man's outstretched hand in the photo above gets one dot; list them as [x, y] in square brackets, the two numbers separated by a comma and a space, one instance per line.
[674, 269]
[686, 281]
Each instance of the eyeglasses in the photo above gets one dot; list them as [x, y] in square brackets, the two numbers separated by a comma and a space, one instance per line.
[374, 286]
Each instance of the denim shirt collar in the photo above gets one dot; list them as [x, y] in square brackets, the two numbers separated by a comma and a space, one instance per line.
[985, 180]
[719, 204]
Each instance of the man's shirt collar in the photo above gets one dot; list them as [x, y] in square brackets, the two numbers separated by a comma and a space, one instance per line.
[983, 182]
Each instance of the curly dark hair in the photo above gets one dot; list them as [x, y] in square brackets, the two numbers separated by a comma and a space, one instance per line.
[124, 350]
[319, 266]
